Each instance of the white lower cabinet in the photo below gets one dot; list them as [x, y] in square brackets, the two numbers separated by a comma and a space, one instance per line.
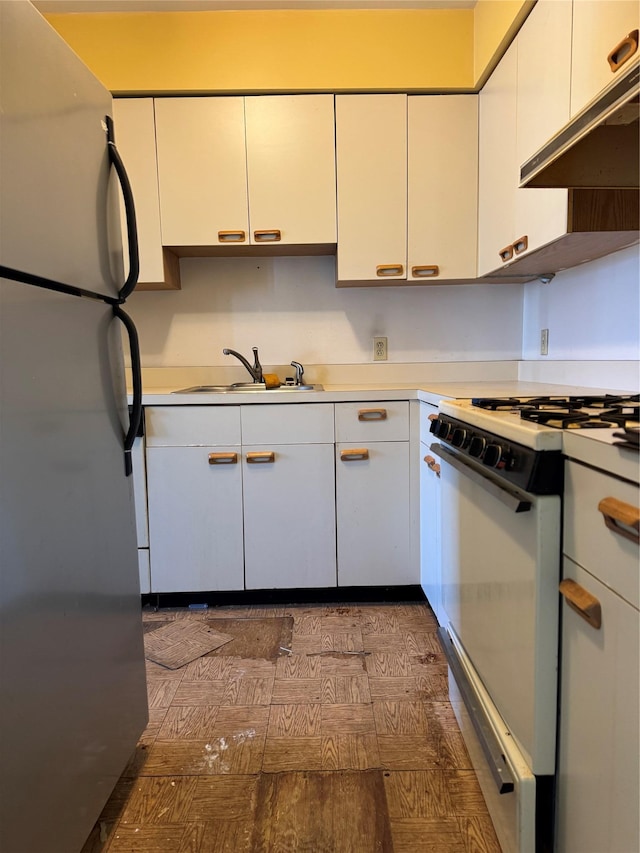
[599, 724]
[227, 515]
[430, 576]
[289, 516]
[373, 486]
[194, 484]
[262, 496]
[598, 808]
[289, 496]
[195, 519]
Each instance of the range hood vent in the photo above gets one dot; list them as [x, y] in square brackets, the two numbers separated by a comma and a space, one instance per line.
[599, 147]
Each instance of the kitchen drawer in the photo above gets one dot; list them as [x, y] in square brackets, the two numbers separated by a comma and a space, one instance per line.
[192, 426]
[427, 412]
[296, 423]
[383, 421]
[602, 551]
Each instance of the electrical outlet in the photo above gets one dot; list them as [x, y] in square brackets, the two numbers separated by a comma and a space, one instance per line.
[544, 341]
[379, 349]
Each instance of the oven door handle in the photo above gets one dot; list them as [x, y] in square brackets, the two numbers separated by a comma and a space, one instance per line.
[514, 498]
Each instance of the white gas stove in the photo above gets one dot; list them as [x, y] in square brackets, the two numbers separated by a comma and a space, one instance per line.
[502, 467]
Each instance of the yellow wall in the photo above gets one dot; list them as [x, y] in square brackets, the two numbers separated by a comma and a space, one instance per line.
[289, 50]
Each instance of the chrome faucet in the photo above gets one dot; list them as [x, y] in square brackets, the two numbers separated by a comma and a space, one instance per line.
[256, 370]
[299, 372]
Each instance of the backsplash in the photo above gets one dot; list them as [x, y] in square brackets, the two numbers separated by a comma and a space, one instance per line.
[290, 308]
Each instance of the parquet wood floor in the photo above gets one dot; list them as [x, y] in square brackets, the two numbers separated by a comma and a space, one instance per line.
[321, 729]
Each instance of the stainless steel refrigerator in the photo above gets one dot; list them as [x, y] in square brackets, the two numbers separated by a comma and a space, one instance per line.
[72, 681]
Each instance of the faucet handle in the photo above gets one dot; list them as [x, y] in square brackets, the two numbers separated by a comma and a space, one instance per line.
[299, 371]
[257, 367]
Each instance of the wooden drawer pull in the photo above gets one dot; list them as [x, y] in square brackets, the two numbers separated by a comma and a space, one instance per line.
[506, 254]
[432, 465]
[232, 236]
[372, 414]
[389, 269]
[521, 244]
[259, 456]
[585, 605]
[623, 51]
[354, 454]
[426, 271]
[273, 236]
[223, 458]
[621, 518]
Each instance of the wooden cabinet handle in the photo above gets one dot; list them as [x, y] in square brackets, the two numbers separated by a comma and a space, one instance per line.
[433, 417]
[425, 271]
[389, 269]
[623, 51]
[585, 605]
[432, 465]
[223, 458]
[506, 254]
[372, 414]
[354, 454]
[521, 244]
[232, 236]
[621, 518]
[258, 456]
[272, 236]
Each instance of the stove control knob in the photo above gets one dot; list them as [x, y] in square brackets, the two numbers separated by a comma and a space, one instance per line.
[434, 425]
[477, 446]
[459, 437]
[443, 429]
[495, 456]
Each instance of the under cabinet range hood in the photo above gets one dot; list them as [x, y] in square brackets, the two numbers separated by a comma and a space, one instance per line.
[599, 147]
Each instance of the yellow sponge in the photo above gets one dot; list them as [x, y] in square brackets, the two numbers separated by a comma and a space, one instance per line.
[271, 380]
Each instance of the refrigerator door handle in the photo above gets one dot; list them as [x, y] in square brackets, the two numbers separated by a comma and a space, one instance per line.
[130, 213]
[136, 407]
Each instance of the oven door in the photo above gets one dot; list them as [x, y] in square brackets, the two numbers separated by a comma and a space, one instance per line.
[500, 573]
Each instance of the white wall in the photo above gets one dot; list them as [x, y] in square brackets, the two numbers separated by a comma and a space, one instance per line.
[592, 311]
[291, 309]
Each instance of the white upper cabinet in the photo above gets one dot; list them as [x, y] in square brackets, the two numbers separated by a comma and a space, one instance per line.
[442, 187]
[524, 103]
[230, 178]
[371, 154]
[202, 170]
[601, 46]
[498, 168]
[542, 103]
[291, 168]
[136, 141]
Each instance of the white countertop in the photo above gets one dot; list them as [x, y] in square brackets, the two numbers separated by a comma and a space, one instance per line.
[598, 448]
[431, 392]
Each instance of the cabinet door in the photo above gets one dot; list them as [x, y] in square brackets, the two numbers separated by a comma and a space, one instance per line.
[289, 516]
[542, 109]
[195, 519]
[372, 514]
[599, 748]
[430, 579]
[443, 187]
[136, 141]
[291, 168]
[202, 171]
[498, 170]
[599, 26]
[371, 155]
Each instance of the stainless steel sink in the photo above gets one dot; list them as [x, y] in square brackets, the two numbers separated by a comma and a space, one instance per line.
[244, 387]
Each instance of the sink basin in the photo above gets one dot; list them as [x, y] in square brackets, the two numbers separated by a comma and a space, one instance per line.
[244, 387]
